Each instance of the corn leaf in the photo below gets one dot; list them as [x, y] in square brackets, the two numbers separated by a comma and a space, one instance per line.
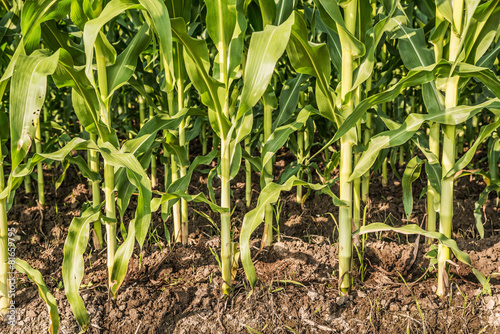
[411, 173]
[73, 264]
[483, 197]
[122, 70]
[289, 98]
[35, 12]
[28, 88]
[266, 47]
[314, 60]
[122, 259]
[254, 218]
[415, 229]
[36, 277]
[198, 67]
[412, 123]
[485, 132]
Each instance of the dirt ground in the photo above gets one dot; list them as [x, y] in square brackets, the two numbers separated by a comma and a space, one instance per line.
[177, 289]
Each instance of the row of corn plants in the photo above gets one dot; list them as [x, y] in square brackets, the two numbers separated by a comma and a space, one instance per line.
[120, 89]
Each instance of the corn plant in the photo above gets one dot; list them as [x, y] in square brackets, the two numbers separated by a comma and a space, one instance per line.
[27, 73]
[226, 25]
[344, 33]
[127, 80]
[449, 115]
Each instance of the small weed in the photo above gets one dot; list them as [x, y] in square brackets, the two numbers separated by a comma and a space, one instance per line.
[416, 302]
[277, 213]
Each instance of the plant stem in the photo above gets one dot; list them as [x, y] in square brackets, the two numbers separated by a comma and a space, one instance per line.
[346, 144]
[226, 216]
[448, 159]
[46, 134]
[248, 174]
[384, 172]
[434, 141]
[154, 179]
[300, 145]
[109, 171]
[446, 212]
[203, 139]
[183, 171]
[39, 166]
[176, 208]
[167, 176]
[96, 193]
[365, 183]
[142, 111]
[267, 238]
[182, 141]
[109, 185]
[167, 164]
[431, 192]
[27, 184]
[4, 249]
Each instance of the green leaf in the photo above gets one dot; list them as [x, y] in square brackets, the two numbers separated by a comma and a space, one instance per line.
[268, 10]
[122, 259]
[413, 78]
[415, 229]
[411, 173]
[266, 47]
[373, 38]
[172, 197]
[37, 278]
[414, 52]
[121, 71]
[485, 132]
[55, 40]
[284, 8]
[85, 101]
[124, 187]
[235, 52]
[331, 16]
[73, 264]
[412, 46]
[28, 88]
[93, 27]
[35, 12]
[254, 218]
[314, 60]
[450, 116]
[221, 21]
[160, 23]
[483, 197]
[482, 32]
[160, 20]
[281, 135]
[197, 63]
[178, 189]
[289, 98]
[235, 161]
[138, 177]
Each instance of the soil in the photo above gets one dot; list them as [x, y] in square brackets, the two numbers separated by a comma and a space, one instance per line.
[176, 289]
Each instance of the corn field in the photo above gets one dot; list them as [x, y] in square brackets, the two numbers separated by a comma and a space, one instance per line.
[182, 121]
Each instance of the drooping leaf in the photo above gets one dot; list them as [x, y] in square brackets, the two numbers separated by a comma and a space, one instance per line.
[254, 218]
[36, 277]
[411, 173]
[415, 229]
[73, 264]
